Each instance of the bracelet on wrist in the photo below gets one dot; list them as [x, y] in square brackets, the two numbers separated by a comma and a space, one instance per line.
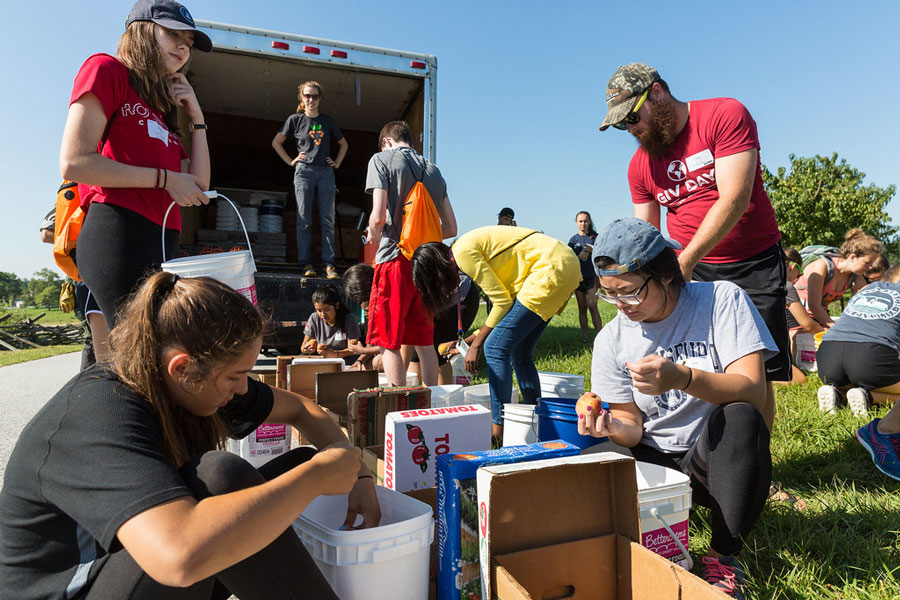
[367, 475]
[165, 178]
[690, 379]
[156, 185]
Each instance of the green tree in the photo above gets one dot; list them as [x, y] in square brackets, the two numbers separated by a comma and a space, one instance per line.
[818, 199]
[43, 289]
[10, 287]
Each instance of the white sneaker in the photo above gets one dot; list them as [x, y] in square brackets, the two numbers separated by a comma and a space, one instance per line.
[829, 399]
[858, 400]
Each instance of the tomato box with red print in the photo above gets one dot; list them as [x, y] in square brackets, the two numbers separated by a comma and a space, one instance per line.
[413, 439]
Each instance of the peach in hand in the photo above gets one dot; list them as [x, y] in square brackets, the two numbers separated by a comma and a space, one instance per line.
[589, 403]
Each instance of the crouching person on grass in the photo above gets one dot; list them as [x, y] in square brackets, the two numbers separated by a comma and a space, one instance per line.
[682, 368]
[117, 487]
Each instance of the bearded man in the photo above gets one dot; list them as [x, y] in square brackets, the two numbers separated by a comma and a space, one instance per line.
[700, 160]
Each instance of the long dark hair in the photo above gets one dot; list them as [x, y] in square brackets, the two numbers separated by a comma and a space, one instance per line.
[592, 233]
[435, 274]
[210, 321]
[328, 294]
[139, 51]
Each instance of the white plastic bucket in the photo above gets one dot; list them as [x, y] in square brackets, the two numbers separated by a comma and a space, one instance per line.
[446, 395]
[234, 269]
[390, 561]
[481, 394]
[412, 379]
[519, 427]
[664, 500]
[560, 385]
[806, 351]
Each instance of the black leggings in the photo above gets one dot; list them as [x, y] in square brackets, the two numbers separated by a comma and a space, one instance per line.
[117, 248]
[730, 469]
[283, 569]
[866, 365]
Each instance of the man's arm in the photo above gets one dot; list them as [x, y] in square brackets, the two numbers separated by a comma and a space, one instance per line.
[448, 219]
[378, 216]
[734, 178]
[648, 211]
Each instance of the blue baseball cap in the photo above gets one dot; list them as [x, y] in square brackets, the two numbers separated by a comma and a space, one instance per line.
[631, 243]
[171, 15]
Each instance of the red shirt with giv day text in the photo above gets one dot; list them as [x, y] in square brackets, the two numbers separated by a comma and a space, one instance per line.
[138, 136]
[684, 180]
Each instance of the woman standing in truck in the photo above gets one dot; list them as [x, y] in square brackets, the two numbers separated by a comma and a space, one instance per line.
[313, 132]
[121, 143]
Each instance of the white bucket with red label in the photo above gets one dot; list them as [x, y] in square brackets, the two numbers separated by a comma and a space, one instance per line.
[234, 269]
[664, 499]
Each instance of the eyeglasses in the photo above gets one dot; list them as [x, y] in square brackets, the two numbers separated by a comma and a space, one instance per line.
[633, 118]
[627, 299]
[311, 96]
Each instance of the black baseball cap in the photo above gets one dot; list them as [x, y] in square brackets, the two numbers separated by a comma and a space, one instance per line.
[507, 212]
[170, 15]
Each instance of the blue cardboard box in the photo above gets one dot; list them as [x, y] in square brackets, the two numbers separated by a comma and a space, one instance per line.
[459, 573]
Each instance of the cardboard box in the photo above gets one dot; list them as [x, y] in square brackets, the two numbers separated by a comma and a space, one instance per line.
[458, 519]
[281, 368]
[266, 376]
[367, 410]
[413, 439]
[302, 441]
[334, 388]
[301, 377]
[373, 456]
[578, 542]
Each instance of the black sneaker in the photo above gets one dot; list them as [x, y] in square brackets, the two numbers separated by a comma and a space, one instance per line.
[724, 573]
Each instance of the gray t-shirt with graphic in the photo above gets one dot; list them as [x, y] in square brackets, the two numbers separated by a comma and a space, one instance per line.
[313, 135]
[397, 170]
[332, 336]
[713, 324]
[872, 316]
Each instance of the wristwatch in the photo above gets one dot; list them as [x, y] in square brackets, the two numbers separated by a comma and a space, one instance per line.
[196, 126]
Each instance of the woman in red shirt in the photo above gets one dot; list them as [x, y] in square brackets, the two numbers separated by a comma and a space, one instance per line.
[122, 144]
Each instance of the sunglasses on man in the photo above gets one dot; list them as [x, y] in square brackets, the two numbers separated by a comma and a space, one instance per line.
[632, 118]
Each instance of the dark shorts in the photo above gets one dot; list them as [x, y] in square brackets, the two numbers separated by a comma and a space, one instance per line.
[586, 285]
[860, 364]
[763, 277]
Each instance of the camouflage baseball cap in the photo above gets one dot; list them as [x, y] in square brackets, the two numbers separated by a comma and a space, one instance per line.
[625, 86]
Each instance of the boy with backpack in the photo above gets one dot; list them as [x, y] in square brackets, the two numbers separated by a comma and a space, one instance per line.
[401, 219]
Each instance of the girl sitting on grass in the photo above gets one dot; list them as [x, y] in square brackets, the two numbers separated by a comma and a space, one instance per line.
[331, 330]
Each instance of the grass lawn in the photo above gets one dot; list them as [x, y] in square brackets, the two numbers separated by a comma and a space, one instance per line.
[8, 357]
[846, 542]
[53, 316]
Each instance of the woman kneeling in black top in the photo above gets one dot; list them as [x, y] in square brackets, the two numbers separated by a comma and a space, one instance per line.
[117, 487]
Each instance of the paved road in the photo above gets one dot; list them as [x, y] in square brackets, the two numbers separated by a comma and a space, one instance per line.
[24, 389]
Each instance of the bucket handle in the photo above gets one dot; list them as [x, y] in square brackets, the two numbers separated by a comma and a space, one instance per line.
[394, 552]
[210, 194]
[654, 512]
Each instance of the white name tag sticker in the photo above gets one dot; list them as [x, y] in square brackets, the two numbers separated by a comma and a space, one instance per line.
[699, 160]
[155, 130]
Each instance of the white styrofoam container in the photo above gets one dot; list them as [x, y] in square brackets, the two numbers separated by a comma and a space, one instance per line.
[519, 424]
[390, 561]
[447, 395]
[413, 439]
[666, 492]
[412, 379]
[561, 385]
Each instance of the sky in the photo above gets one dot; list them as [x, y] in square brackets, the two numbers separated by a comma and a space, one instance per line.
[520, 93]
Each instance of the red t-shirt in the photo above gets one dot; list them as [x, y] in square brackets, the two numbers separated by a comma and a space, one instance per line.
[684, 180]
[138, 136]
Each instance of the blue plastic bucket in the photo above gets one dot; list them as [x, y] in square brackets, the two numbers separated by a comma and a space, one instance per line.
[557, 420]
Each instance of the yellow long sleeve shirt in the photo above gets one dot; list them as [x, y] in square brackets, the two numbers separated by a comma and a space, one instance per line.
[514, 263]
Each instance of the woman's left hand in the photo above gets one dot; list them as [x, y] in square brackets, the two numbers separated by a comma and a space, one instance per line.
[472, 360]
[363, 501]
[653, 375]
[183, 95]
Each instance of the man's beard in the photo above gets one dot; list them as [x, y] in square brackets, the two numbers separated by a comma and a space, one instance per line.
[661, 129]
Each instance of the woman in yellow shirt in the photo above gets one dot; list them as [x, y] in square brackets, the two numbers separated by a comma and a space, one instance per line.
[528, 277]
